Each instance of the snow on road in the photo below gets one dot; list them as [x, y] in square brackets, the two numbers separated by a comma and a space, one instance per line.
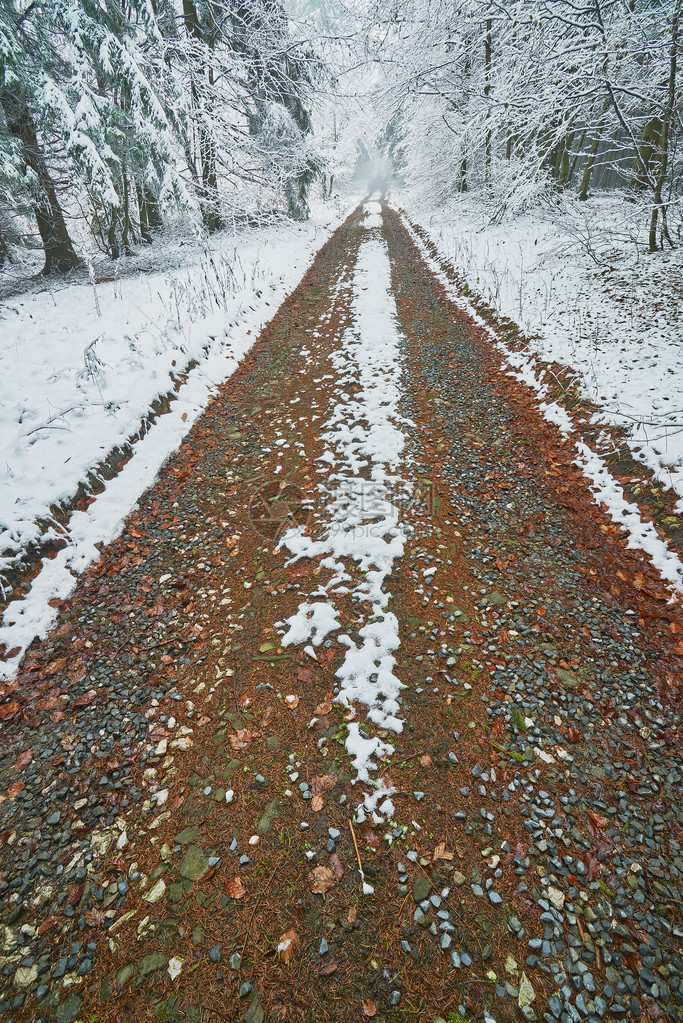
[642, 534]
[362, 536]
[60, 415]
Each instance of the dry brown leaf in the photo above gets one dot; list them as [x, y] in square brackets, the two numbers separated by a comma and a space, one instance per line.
[426, 760]
[236, 889]
[321, 879]
[287, 945]
[369, 837]
[242, 737]
[23, 760]
[327, 969]
[292, 701]
[335, 865]
[369, 1008]
[95, 917]
[351, 918]
[268, 715]
[322, 783]
[323, 708]
[317, 804]
[440, 853]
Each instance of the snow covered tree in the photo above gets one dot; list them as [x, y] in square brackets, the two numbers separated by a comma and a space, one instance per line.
[27, 55]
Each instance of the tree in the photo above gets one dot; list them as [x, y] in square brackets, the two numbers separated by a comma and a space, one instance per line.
[26, 50]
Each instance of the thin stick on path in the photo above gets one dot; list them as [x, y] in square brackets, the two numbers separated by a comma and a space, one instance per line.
[367, 888]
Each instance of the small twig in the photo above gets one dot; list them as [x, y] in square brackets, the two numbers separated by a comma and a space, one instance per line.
[355, 845]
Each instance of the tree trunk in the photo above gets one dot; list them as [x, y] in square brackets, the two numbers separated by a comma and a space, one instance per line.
[666, 124]
[487, 90]
[651, 135]
[60, 256]
[208, 184]
[590, 163]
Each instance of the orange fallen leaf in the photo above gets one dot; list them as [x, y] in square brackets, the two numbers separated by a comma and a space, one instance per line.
[8, 710]
[323, 708]
[287, 945]
[335, 865]
[56, 666]
[321, 879]
[292, 701]
[327, 969]
[267, 715]
[236, 889]
[351, 918]
[440, 853]
[242, 737]
[15, 789]
[95, 917]
[426, 760]
[597, 820]
[317, 804]
[322, 783]
[369, 1008]
[23, 760]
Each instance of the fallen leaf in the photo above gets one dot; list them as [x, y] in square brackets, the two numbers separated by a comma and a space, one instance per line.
[426, 760]
[322, 783]
[292, 701]
[317, 804]
[369, 837]
[287, 945]
[369, 1008]
[85, 699]
[56, 666]
[8, 710]
[573, 734]
[639, 580]
[236, 889]
[440, 853]
[95, 917]
[22, 760]
[242, 737]
[351, 917]
[268, 715]
[327, 969]
[323, 708]
[597, 820]
[321, 879]
[335, 865]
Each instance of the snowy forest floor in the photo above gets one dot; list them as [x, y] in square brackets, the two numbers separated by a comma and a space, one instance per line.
[90, 371]
[593, 321]
[369, 615]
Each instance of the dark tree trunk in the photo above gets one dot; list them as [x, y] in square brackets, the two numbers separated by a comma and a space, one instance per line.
[208, 186]
[60, 256]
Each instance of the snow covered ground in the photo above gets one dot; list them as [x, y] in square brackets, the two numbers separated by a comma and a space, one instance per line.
[81, 366]
[642, 534]
[583, 288]
[363, 537]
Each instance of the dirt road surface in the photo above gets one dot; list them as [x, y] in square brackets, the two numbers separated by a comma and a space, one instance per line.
[370, 712]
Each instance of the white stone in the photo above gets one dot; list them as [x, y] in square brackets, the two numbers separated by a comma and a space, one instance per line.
[155, 893]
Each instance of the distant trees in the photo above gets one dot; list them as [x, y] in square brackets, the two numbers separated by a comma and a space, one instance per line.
[124, 114]
[523, 98]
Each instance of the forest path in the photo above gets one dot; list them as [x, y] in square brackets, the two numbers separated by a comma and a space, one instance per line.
[180, 830]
